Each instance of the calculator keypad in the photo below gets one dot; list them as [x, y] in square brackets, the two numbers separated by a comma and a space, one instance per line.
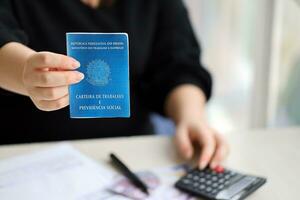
[207, 182]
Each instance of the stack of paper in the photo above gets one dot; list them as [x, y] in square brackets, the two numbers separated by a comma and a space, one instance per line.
[63, 173]
[57, 173]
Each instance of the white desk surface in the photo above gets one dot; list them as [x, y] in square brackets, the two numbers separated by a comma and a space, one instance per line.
[273, 153]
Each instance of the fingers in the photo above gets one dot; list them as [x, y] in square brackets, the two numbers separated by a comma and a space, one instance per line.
[53, 60]
[52, 105]
[51, 93]
[222, 150]
[46, 77]
[214, 147]
[53, 78]
[208, 145]
[183, 142]
[92, 3]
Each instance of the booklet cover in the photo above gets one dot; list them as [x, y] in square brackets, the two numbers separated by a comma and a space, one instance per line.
[104, 60]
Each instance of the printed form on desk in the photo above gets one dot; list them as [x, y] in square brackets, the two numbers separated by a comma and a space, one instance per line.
[63, 173]
[57, 173]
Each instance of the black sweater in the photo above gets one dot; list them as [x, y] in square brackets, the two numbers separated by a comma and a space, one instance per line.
[163, 54]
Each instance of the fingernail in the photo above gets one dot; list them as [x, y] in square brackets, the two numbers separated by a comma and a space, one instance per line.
[202, 165]
[80, 76]
[76, 64]
[213, 165]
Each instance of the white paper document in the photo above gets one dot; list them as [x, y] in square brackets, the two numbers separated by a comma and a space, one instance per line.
[63, 173]
[58, 173]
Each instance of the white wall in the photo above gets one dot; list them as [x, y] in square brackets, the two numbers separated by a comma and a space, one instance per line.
[236, 39]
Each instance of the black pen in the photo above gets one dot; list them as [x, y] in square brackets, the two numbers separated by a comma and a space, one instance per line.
[129, 174]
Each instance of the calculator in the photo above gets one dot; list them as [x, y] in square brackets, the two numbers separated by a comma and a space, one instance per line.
[224, 185]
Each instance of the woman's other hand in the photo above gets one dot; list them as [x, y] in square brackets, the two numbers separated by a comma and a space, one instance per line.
[186, 105]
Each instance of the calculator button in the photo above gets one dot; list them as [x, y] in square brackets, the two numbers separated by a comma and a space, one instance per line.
[220, 175]
[215, 185]
[208, 182]
[189, 176]
[221, 180]
[202, 180]
[186, 181]
[195, 178]
[208, 176]
[208, 189]
[196, 184]
[219, 169]
[201, 174]
[220, 187]
[214, 178]
[202, 187]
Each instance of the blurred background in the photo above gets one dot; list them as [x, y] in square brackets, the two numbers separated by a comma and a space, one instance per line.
[252, 49]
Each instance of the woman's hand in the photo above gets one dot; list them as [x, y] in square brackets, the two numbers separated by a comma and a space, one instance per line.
[97, 3]
[195, 133]
[92, 3]
[46, 78]
[185, 105]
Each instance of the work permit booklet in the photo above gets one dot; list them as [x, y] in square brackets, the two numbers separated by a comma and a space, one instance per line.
[104, 60]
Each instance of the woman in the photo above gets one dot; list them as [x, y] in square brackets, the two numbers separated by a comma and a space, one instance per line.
[166, 76]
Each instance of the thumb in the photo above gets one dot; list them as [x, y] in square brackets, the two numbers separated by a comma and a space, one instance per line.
[183, 142]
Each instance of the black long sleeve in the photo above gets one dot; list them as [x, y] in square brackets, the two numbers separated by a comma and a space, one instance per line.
[163, 54]
[175, 57]
[10, 30]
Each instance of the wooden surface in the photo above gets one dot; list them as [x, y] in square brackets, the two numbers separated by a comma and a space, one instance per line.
[274, 154]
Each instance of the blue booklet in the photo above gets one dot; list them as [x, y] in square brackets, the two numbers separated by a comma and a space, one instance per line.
[104, 92]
